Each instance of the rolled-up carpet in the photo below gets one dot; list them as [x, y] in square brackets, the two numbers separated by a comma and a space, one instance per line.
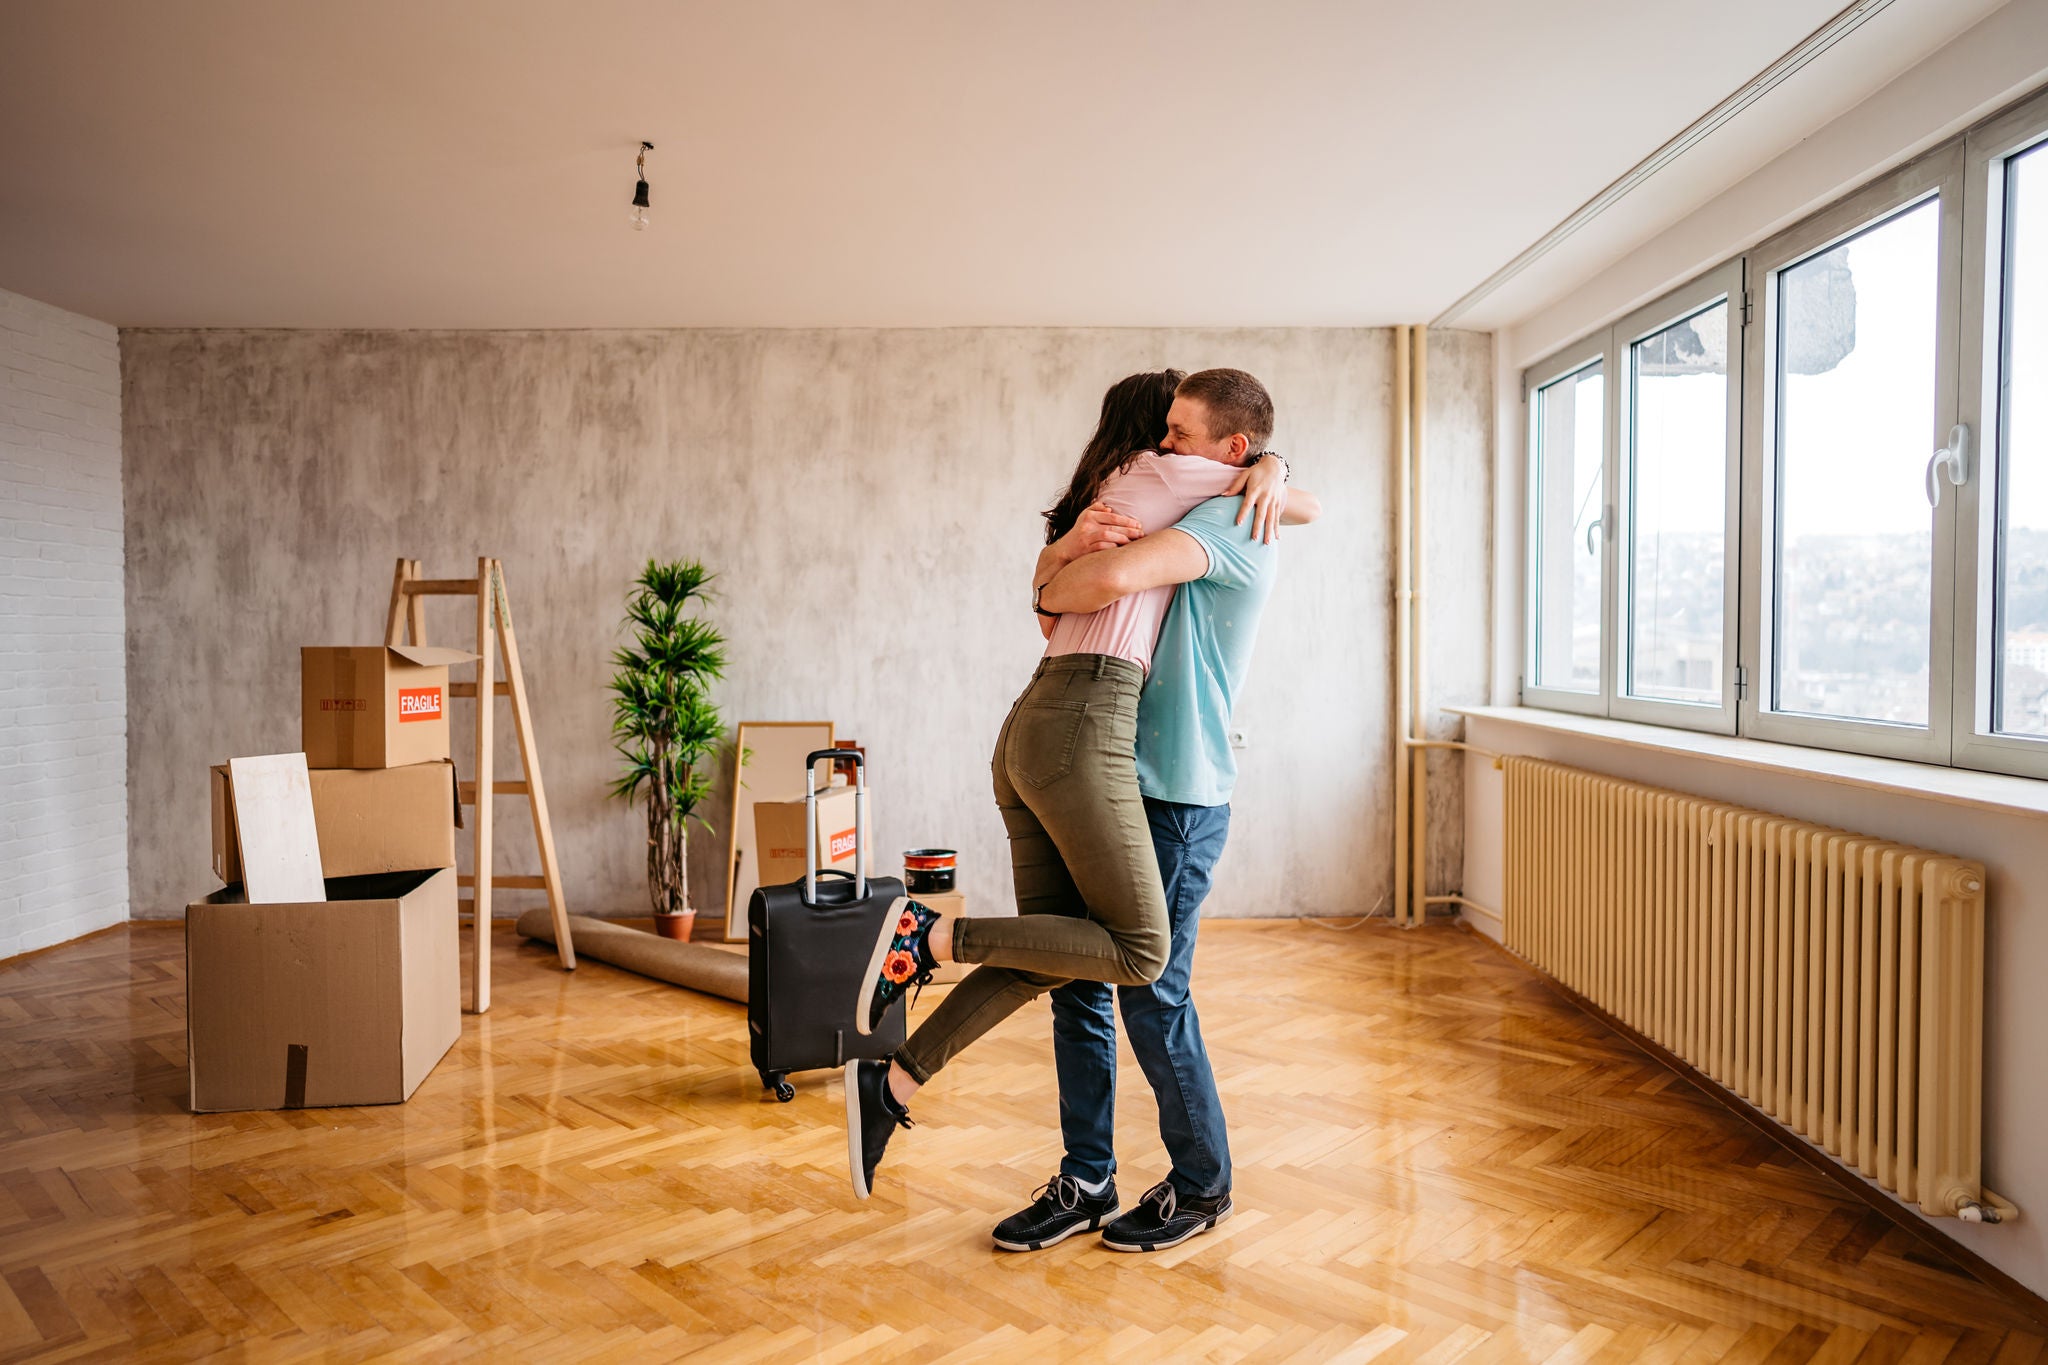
[710, 970]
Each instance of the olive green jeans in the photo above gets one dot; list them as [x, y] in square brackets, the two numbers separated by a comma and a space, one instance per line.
[1089, 902]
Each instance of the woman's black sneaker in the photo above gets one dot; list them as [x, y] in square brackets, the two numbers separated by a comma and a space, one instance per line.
[1059, 1209]
[1164, 1219]
[872, 1118]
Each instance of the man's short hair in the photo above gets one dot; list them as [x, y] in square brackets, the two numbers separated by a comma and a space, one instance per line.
[1236, 402]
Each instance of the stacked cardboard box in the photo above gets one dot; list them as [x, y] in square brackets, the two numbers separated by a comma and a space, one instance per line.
[354, 999]
[779, 835]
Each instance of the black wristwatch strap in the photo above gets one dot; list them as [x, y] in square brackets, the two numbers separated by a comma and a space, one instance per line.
[1036, 593]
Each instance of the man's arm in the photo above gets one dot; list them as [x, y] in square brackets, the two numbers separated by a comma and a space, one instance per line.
[1095, 580]
[1303, 507]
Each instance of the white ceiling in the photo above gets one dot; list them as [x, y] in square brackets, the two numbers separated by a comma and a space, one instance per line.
[467, 163]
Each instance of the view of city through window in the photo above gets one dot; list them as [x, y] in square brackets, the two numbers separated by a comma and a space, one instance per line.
[1570, 419]
[1678, 485]
[1856, 379]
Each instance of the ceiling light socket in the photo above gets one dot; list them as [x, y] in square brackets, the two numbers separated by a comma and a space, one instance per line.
[638, 217]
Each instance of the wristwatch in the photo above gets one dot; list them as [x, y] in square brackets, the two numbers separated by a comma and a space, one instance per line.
[1035, 594]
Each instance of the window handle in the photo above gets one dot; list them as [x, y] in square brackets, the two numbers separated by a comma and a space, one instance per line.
[1953, 460]
[1592, 530]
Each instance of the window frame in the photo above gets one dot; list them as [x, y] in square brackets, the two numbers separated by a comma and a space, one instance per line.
[1987, 149]
[1723, 285]
[1562, 365]
[1937, 173]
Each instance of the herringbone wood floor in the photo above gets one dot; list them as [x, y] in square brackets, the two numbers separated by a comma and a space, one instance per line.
[1436, 1160]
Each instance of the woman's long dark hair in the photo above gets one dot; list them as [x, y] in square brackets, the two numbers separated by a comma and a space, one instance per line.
[1133, 420]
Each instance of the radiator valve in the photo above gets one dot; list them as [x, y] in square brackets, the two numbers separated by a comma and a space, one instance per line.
[1971, 1211]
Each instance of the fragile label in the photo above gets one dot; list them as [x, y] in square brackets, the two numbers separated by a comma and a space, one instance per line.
[344, 704]
[842, 846]
[418, 703]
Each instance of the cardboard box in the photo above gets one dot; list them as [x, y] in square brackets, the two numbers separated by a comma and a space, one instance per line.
[370, 820]
[374, 706]
[779, 835]
[348, 1001]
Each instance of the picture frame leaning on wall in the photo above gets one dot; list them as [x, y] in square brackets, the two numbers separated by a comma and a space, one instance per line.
[773, 770]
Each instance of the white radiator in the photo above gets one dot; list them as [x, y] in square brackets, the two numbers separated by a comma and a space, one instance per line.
[1833, 981]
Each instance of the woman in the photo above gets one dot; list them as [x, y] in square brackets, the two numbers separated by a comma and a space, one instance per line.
[1090, 905]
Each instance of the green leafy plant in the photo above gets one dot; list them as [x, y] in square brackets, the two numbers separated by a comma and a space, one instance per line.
[663, 722]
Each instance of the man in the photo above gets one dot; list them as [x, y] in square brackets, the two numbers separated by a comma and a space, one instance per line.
[1186, 771]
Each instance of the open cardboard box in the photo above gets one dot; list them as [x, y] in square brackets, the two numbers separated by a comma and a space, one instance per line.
[369, 820]
[374, 706]
[352, 1000]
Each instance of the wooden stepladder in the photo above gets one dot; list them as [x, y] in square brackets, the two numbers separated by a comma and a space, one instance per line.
[409, 591]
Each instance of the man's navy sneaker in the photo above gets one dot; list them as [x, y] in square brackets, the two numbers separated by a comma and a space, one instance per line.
[1164, 1219]
[1058, 1210]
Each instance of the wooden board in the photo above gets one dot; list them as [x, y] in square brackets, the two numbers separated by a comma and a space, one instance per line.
[280, 844]
[774, 771]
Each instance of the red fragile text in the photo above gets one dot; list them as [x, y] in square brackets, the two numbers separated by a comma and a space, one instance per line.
[418, 703]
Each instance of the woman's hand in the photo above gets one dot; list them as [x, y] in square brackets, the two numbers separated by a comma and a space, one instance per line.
[1264, 486]
[1099, 528]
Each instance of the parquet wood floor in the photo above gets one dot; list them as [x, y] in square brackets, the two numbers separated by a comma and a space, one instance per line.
[1436, 1160]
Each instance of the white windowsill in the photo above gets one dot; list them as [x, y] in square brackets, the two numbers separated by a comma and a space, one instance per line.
[1951, 786]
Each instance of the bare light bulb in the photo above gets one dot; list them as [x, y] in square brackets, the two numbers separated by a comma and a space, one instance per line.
[638, 218]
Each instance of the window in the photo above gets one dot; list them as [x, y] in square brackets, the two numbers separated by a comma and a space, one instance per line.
[1568, 418]
[2020, 689]
[1643, 540]
[1853, 552]
[1680, 419]
[1805, 497]
[1679, 487]
[2000, 717]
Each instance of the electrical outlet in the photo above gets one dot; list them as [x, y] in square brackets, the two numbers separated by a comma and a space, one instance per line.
[1239, 739]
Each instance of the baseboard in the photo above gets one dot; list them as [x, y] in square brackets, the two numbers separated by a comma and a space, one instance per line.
[103, 930]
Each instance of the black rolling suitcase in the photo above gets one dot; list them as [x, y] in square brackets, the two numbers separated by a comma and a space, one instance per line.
[807, 945]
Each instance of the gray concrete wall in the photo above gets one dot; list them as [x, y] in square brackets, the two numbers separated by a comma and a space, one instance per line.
[868, 499]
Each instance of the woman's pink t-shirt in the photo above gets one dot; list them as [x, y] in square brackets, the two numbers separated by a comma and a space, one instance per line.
[1157, 490]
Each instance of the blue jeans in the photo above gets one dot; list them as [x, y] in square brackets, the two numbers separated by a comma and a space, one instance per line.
[1160, 1018]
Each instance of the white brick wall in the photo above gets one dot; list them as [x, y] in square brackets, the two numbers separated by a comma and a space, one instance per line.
[63, 670]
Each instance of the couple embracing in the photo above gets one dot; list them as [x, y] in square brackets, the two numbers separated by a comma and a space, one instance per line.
[1113, 773]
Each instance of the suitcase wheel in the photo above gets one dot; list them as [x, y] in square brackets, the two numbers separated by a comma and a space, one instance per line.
[779, 1083]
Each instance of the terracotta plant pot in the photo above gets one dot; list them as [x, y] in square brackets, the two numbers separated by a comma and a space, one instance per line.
[676, 926]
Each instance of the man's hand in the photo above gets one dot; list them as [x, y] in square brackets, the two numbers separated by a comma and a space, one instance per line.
[1264, 486]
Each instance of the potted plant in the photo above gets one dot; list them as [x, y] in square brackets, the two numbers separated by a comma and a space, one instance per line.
[665, 727]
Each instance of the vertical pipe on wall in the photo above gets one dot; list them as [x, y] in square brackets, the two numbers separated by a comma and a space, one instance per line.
[1401, 607]
[1418, 722]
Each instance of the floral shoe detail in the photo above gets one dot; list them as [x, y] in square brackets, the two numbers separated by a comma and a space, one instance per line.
[902, 961]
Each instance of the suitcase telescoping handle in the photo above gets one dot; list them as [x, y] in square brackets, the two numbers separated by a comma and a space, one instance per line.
[860, 822]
